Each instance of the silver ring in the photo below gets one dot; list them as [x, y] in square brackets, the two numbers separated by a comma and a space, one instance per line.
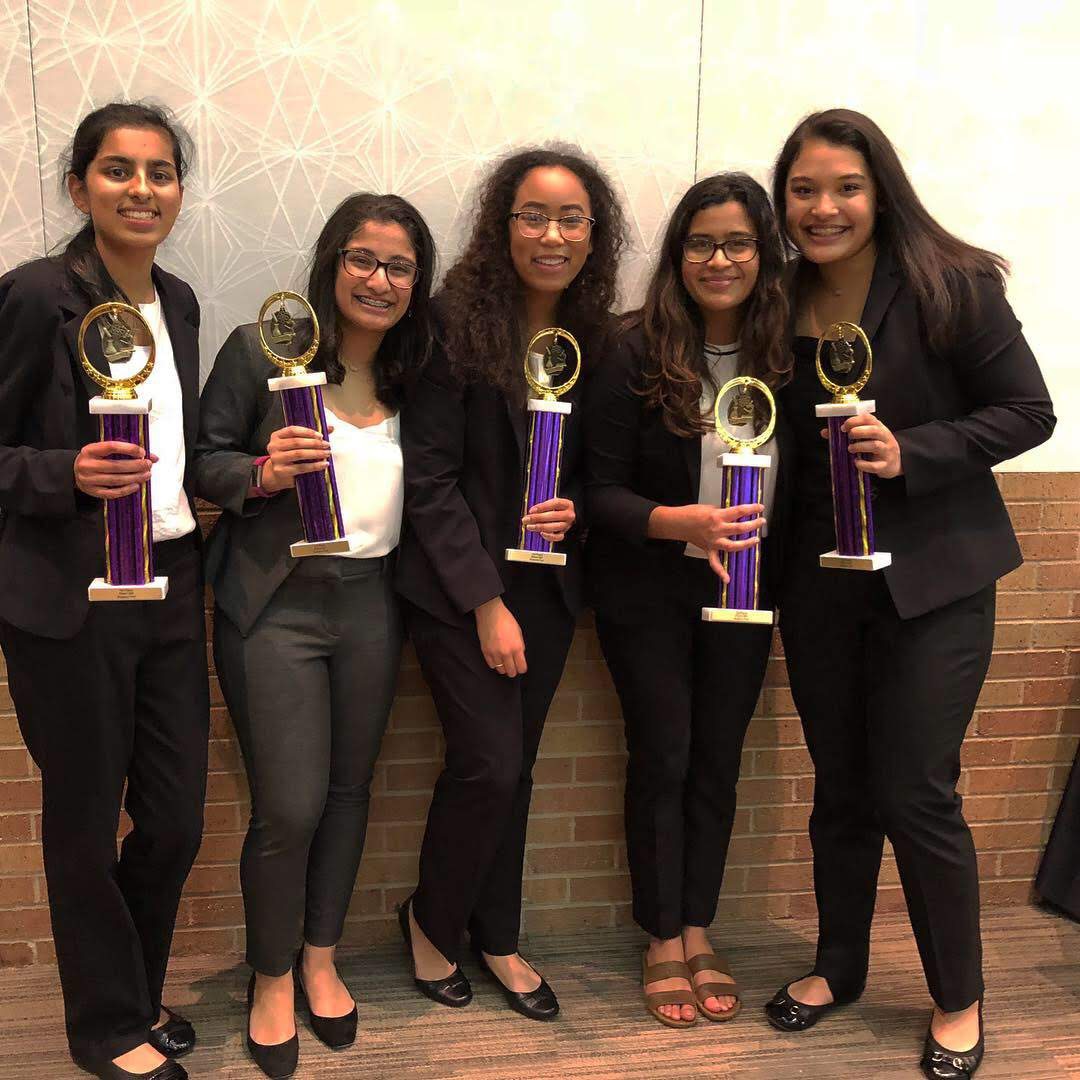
[497, 666]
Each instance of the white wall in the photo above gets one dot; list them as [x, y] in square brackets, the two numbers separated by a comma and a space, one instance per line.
[296, 103]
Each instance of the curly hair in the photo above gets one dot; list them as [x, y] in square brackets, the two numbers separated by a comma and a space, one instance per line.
[482, 292]
[672, 322]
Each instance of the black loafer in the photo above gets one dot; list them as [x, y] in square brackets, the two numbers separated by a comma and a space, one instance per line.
[940, 1063]
[337, 1032]
[787, 1014]
[107, 1070]
[175, 1038]
[454, 990]
[538, 1004]
[276, 1060]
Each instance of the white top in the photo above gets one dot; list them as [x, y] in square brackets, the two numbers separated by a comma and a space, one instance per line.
[723, 364]
[172, 511]
[370, 480]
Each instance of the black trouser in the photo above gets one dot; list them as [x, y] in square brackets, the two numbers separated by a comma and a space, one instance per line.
[885, 703]
[687, 690]
[309, 690]
[126, 698]
[474, 847]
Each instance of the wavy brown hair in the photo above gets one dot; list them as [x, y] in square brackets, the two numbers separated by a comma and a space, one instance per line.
[672, 321]
[940, 268]
[481, 297]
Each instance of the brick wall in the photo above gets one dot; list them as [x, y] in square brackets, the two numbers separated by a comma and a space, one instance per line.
[1017, 759]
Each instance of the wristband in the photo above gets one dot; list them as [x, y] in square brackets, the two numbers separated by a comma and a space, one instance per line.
[256, 477]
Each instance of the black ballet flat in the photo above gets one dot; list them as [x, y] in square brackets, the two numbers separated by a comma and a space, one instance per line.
[939, 1063]
[454, 990]
[787, 1014]
[175, 1038]
[276, 1060]
[108, 1070]
[538, 1004]
[336, 1032]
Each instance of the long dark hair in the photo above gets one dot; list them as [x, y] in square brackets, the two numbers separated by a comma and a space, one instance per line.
[404, 350]
[80, 256]
[482, 292]
[938, 266]
[673, 324]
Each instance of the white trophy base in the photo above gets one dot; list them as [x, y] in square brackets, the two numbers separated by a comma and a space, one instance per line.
[100, 589]
[753, 461]
[833, 560]
[294, 382]
[738, 615]
[846, 408]
[103, 406]
[543, 405]
[344, 545]
[543, 558]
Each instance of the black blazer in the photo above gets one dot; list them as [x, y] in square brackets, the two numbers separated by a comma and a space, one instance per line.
[464, 447]
[247, 552]
[954, 415]
[51, 534]
[634, 464]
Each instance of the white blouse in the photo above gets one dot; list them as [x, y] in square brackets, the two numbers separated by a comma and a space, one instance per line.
[368, 466]
[723, 363]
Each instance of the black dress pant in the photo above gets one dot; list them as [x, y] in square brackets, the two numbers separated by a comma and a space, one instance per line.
[687, 690]
[473, 852]
[885, 703]
[309, 690]
[126, 698]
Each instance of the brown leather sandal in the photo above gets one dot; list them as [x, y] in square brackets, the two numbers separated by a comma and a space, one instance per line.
[709, 961]
[669, 969]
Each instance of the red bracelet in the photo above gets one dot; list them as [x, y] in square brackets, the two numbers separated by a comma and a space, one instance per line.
[256, 477]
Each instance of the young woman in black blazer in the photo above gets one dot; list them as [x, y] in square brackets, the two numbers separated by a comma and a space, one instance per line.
[715, 307]
[307, 650]
[492, 636]
[106, 693]
[886, 667]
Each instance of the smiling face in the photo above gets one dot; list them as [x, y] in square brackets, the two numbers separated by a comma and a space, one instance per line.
[372, 305]
[831, 202]
[720, 287]
[131, 189]
[548, 263]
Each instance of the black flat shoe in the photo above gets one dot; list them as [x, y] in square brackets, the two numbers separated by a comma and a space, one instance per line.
[337, 1032]
[938, 1063]
[454, 990]
[175, 1038]
[538, 1004]
[107, 1070]
[277, 1059]
[787, 1014]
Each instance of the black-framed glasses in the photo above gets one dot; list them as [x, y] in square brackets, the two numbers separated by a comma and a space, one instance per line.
[572, 227]
[362, 264]
[700, 249]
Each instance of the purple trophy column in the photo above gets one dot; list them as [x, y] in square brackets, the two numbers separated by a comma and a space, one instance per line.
[740, 485]
[545, 443]
[320, 504]
[851, 495]
[129, 543]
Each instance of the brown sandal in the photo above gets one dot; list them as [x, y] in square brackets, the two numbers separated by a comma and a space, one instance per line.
[669, 969]
[709, 961]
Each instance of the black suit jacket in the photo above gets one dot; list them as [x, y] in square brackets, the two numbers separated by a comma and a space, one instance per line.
[247, 552]
[634, 464]
[51, 535]
[955, 415]
[464, 448]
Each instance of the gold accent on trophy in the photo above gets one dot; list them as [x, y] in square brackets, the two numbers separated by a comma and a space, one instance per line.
[840, 339]
[283, 332]
[117, 346]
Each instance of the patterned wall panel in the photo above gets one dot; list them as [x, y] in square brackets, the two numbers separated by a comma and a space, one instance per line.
[295, 104]
[20, 193]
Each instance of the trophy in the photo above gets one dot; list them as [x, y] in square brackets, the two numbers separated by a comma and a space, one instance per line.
[852, 511]
[546, 413]
[123, 417]
[302, 404]
[743, 474]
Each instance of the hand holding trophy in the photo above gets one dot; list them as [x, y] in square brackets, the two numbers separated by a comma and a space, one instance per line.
[302, 404]
[742, 483]
[852, 509]
[546, 415]
[125, 418]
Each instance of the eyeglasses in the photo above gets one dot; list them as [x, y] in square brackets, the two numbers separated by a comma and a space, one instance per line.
[700, 249]
[573, 227]
[362, 264]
